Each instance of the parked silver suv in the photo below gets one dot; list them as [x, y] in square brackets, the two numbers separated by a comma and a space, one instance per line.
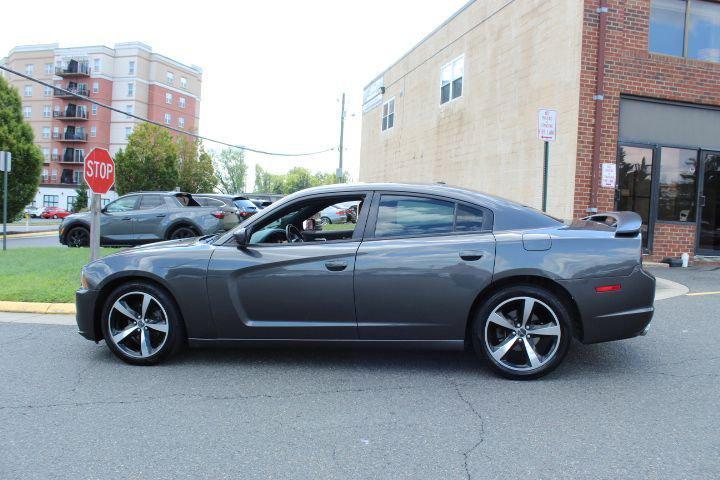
[147, 217]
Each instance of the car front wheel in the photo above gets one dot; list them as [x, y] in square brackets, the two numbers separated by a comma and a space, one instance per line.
[141, 324]
[78, 237]
[522, 332]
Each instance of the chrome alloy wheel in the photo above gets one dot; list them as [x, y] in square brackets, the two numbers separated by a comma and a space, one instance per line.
[138, 324]
[522, 334]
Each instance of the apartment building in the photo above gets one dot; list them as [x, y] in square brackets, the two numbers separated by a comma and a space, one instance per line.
[636, 88]
[129, 76]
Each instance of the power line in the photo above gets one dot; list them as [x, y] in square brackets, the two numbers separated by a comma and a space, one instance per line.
[153, 122]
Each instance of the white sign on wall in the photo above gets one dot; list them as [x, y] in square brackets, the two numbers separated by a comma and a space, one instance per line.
[608, 175]
[547, 124]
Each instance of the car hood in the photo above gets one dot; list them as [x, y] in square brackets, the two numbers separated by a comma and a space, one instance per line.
[78, 216]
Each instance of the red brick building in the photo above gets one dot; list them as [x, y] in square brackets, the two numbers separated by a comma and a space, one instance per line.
[636, 84]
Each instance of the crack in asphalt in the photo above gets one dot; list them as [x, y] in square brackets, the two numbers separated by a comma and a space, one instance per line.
[212, 397]
[468, 452]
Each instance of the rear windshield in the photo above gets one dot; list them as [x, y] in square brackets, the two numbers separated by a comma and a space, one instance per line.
[244, 203]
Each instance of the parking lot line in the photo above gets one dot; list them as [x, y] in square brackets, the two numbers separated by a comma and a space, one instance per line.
[697, 294]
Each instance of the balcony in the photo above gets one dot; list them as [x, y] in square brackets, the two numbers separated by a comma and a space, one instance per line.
[73, 137]
[79, 90]
[73, 69]
[73, 156]
[78, 114]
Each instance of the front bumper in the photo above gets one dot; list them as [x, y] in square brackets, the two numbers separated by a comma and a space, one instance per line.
[614, 315]
[85, 305]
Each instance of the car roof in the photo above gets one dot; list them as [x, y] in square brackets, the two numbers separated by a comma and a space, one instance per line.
[221, 195]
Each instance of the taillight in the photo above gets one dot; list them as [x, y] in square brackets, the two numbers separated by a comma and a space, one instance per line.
[218, 214]
[608, 288]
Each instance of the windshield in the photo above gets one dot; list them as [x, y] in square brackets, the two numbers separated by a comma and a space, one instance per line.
[244, 203]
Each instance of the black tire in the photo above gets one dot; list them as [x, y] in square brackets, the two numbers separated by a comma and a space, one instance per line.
[175, 335]
[77, 237]
[325, 221]
[550, 351]
[183, 232]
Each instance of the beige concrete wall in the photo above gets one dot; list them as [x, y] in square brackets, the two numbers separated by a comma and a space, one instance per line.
[525, 57]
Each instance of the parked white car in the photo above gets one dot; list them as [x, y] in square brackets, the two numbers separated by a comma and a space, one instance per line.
[34, 212]
[333, 214]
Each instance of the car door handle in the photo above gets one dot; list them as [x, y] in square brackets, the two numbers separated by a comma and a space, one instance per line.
[470, 255]
[336, 266]
[160, 215]
[127, 218]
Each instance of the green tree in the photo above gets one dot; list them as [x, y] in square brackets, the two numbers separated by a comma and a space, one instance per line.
[231, 170]
[16, 137]
[296, 179]
[81, 201]
[196, 172]
[149, 162]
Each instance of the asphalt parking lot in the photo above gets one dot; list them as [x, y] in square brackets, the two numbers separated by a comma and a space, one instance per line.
[642, 408]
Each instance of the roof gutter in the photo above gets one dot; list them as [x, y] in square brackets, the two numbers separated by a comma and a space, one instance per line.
[599, 98]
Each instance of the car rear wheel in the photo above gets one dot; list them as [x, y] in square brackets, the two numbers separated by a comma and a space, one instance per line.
[55, 217]
[522, 332]
[78, 237]
[141, 324]
[183, 232]
[325, 221]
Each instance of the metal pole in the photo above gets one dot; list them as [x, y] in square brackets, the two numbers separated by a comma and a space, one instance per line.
[546, 161]
[5, 188]
[95, 227]
[342, 131]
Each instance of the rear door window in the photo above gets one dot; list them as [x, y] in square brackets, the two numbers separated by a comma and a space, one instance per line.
[400, 216]
[148, 202]
[469, 219]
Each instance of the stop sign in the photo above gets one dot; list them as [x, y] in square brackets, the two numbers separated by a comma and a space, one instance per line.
[99, 170]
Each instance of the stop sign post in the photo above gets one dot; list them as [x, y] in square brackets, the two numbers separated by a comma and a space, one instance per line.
[99, 173]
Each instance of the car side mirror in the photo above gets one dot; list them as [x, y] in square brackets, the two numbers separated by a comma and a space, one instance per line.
[242, 237]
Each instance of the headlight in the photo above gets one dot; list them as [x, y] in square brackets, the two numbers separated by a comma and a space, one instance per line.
[83, 279]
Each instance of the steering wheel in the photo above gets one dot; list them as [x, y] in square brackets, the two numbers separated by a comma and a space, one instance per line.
[293, 234]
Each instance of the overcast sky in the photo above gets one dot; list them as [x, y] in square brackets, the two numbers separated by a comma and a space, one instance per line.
[273, 71]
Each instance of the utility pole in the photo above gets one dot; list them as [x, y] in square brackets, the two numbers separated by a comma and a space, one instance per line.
[342, 131]
[6, 165]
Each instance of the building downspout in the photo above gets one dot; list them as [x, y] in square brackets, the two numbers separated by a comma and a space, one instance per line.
[599, 98]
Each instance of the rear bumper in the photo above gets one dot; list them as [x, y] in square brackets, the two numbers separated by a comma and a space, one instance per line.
[614, 315]
[85, 303]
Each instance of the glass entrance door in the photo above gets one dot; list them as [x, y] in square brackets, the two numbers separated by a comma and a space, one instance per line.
[634, 186]
[709, 216]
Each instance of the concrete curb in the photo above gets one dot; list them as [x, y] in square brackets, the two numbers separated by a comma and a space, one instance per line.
[37, 307]
[43, 233]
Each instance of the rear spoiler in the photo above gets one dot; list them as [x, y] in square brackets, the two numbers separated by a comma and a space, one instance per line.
[626, 224]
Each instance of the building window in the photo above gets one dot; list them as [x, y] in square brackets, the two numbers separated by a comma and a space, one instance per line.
[49, 69]
[677, 184]
[71, 202]
[77, 176]
[181, 122]
[29, 69]
[47, 91]
[168, 118]
[28, 91]
[96, 87]
[131, 67]
[96, 65]
[46, 132]
[46, 154]
[128, 111]
[50, 200]
[53, 174]
[93, 131]
[170, 78]
[27, 112]
[451, 80]
[168, 98]
[94, 109]
[388, 114]
[181, 102]
[685, 28]
[44, 175]
[130, 89]
[183, 82]
[46, 111]
[55, 155]
[56, 132]
[128, 132]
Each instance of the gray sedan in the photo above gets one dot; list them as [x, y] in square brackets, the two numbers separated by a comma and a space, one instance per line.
[424, 266]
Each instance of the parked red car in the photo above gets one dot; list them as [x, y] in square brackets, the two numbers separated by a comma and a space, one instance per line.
[54, 212]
